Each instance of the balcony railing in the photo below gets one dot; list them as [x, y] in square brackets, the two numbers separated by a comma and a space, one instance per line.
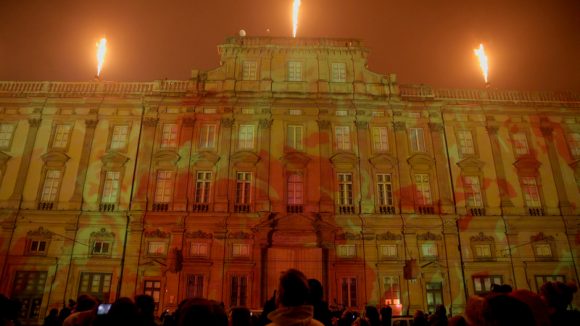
[425, 209]
[45, 206]
[346, 209]
[241, 208]
[389, 210]
[535, 211]
[294, 209]
[160, 207]
[476, 211]
[107, 207]
[200, 208]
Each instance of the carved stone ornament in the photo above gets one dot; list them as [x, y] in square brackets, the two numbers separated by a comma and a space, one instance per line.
[55, 159]
[227, 122]
[428, 236]
[40, 233]
[114, 159]
[541, 237]
[199, 234]
[205, 156]
[323, 124]
[241, 235]
[245, 157]
[481, 237]
[295, 159]
[157, 234]
[102, 233]
[265, 123]
[348, 236]
[389, 236]
[166, 156]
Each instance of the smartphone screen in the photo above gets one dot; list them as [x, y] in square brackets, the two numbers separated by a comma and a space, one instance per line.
[103, 308]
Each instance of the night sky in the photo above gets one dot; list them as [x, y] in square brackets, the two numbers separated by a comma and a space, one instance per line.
[531, 44]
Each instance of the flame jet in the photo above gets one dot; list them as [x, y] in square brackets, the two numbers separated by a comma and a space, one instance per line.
[101, 51]
[480, 53]
[295, 9]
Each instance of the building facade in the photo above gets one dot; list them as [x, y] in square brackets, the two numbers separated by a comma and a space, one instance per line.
[290, 154]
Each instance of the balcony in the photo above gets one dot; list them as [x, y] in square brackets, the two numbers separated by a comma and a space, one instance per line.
[200, 208]
[107, 207]
[45, 206]
[388, 210]
[425, 210]
[535, 211]
[476, 211]
[160, 207]
[241, 208]
[295, 209]
[346, 209]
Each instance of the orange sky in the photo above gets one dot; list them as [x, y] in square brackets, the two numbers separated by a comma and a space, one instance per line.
[532, 44]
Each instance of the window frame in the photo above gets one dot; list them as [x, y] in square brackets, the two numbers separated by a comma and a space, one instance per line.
[462, 143]
[160, 243]
[417, 140]
[247, 139]
[295, 137]
[295, 70]
[207, 137]
[516, 143]
[55, 136]
[530, 202]
[203, 185]
[380, 139]
[249, 70]
[422, 188]
[482, 283]
[345, 188]
[342, 138]
[112, 139]
[10, 138]
[171, 141]
[473, 191]
[43, 186]
[167, 185]
[338, 73]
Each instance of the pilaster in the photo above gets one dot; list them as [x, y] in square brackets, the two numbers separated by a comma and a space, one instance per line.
[77, 197]
[16, 197]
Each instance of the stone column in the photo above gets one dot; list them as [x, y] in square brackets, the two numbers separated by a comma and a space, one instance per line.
[143, 164]
[77, 197]
[223, 167]
[502, 182]
[326, 177]
[441, 165]
[263, 167]
[180, 200]
[563, 202]
[406, 187]
[22, 174]
[367, 204]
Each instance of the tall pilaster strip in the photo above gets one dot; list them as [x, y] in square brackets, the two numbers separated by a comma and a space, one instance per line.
[406, 204]
[262, 180]
[223, 168]
[90, 126]
[563, 201]
[145, 149]
[364, 169]
[498, 165]
[34, 124]
[441, 165]
[326, 176]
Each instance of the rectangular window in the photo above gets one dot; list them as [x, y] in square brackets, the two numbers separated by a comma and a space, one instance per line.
[417, 139]
[37, 247]
[388, 251]
[240, 250]
[239, 291]
[429, 250]
[195, 286]
[345, 189]
[199, 249]
[385, 189]
[542, 279]
[111, 187]
[346, 251]
[202, 187]
[164, 187]
[482, 251]
[531, 192]
[520, 144]
[119, 137]
[573, 139]
[294, 71]
[392, 289]
[465, 139]
[157, 248]
[338, 72]
[207, 136]
[101, 247]
[28, 289]
[423, 194]
[380, 139]
[342, 134]
[169, 136]
[542, 250]
[249, 69]
[243, 187]
[246, 137]
[61, 136]
[472, 190]
[6, 133]
[96, 284]
[482, 284]
[51, 186]
[153, 289]
[349, 292]
[434, 291]
[295, 137]
[295, 189]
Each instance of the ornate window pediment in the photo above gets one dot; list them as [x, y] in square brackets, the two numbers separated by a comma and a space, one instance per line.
[55, 159]
[205, 157]
[166, 157]
[483, 247]
[428, 236]
[248, 157]
[241, 235]
[481, 237]
[157, 233]
[421, 162]
[470, 165]
[40, 233]
[344, 160]
[383, 161]
[102, 233]
[527, 166]
[389, 236]
[541, 237]
[295, 160]
[199, 234]
[348, 236]
[114, 160]
[38, 241]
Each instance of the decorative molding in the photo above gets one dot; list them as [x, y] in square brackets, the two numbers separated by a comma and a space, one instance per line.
[166, 155]
[34, 123]
[541, 237]
[399, 126]
[205, 156]
[383, 160]
[295, 159]
[55, 159]
[389, 236]
[227, 122]
[40, 233]
[265, 123]
[419, 160]
[188, 122]
[91, 123]
[344, 158]
[241, 235]
[492, 130]
[362, 125]
[481, 237]
[323, 124]
[245, 157]
[428, 236]
[436, 126]
[157, 234]
[348, 236]
[527, 165]
[114, 159]
[199, 234]
[102, 233]
[470, 164]
[150, 122]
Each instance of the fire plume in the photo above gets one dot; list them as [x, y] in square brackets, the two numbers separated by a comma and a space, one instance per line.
[480, 53]
[101, 51]
[295, 9]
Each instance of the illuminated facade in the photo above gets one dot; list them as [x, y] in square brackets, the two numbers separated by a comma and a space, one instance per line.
[290, 154]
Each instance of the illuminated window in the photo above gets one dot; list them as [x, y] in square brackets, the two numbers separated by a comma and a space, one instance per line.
[238, 290]
[385, 189]
[465, 142]
[574, 142]
[61, 136]
[28, 287]
[434, 292]
[207, 136]
[543, 250]
[423, 187]
[531, 192]
[195, 286]
[542, 279]
[37, 247]
[345, 189]
[96, 284]
[380, 139]
[169, 136]
[6, 133]
[164, 187]
[111, 187]
[388, 251]
[295, 137]
[101, 247]
[203, 187]
[346, 251]
[392, 290]
[417, 139]
[246, 137]
[249, 70]
[482, 251]
[482, 284]
[429, 250]
[240, 250]
[153, 289]
[157, 248]
[295, 189]
[119, 137]
[342, 134]
[338, 72]
[51, 186]
[472, 190]
[199, 249]
[349, 292]
[520, 144]
[294, 71]
[243, 187]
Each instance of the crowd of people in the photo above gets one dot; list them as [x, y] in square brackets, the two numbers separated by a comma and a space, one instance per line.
[299, 302]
